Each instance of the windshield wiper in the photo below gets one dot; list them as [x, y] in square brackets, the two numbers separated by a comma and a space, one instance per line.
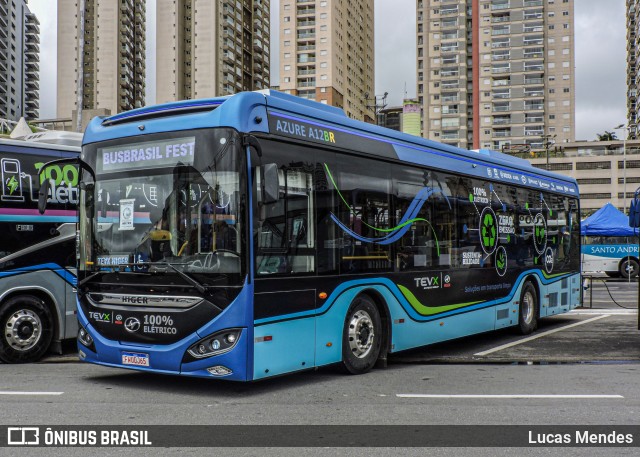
[199, 287]
[116, 269]
[90, 277]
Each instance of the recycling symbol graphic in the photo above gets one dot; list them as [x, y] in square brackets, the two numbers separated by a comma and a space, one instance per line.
[488, 231]
[539, 233]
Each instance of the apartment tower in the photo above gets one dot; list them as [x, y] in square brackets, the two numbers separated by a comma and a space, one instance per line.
[326, 53]
[633, 64]
[496, 74]
[113, 55]
[19, 61]
[208, 48]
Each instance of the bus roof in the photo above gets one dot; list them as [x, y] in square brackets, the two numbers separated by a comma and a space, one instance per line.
[282, 114]
[69, 143]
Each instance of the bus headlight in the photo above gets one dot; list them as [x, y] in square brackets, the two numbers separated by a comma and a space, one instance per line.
[85, 338]
[216, 344]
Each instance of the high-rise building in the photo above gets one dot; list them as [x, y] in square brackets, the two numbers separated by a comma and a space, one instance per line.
[326, 53]
[633, 64]
[19, 61]
[207, 48]
[113, 55]
[496, 73]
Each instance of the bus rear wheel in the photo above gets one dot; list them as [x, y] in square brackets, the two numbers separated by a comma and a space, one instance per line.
[528, 316]
[362, 336]
[628, 268]
[27, 329]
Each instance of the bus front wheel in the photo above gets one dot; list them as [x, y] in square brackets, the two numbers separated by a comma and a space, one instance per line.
[528, 317]
[362, 336]
[629, 268]
[27, 329]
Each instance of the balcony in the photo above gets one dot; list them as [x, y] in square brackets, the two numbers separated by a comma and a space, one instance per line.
[501, 94]
[498, 70]
[306, 35]
[501, 55]
[533, 119]
[537, 92]
[533, 81]
[306, 23]
[502, 120]
[502, 108]
[448, 11]
[499, 6]
[500, 31]
[306, 11]
[257, 45]
[502, 133]
[533, 28]
[528, 15]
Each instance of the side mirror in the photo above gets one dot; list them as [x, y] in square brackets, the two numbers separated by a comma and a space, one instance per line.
[88, 196]
[271, 185]
[43, 195]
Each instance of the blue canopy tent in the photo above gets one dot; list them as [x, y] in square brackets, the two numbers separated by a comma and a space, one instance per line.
[607, 221]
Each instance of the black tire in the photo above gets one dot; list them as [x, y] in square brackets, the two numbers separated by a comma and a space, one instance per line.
[529, 306]
[362, 336]
[628, 268]
[27, 329]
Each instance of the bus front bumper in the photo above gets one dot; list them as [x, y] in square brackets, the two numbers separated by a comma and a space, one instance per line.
[167, 359]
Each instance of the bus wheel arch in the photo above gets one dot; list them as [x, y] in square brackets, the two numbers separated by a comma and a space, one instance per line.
[529, 306]
[28, 324]
[364, 336]
[628, 267]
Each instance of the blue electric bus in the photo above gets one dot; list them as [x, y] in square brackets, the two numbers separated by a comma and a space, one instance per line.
[258, 234]
[37, 251]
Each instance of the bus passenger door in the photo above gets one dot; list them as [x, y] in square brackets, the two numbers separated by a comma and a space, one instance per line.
[285, 264]
[70, 272]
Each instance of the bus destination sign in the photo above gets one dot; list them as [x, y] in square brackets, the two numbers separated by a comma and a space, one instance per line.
[147, 155]
[306, 130]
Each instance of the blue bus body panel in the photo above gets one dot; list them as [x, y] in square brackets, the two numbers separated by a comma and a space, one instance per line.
[409, 329]
[284, 347]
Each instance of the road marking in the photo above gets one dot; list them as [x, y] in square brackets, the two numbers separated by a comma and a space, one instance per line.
[601, 311]
[540, 335]
[31, 393]
[505, 396]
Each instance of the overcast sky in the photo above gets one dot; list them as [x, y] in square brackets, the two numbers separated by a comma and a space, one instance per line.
[600, 58]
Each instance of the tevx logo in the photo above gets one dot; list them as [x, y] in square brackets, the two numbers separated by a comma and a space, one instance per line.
[428, 282]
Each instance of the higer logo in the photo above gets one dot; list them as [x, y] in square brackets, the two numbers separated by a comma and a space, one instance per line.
[428, 282]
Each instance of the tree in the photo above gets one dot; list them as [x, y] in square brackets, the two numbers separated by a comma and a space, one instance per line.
[607, 136]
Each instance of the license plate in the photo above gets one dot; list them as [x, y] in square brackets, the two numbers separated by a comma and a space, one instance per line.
[135, 358]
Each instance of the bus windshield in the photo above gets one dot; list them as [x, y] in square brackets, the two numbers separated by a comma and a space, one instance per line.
[167, 205]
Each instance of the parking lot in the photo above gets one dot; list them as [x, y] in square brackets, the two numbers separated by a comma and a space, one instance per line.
[577, 368]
